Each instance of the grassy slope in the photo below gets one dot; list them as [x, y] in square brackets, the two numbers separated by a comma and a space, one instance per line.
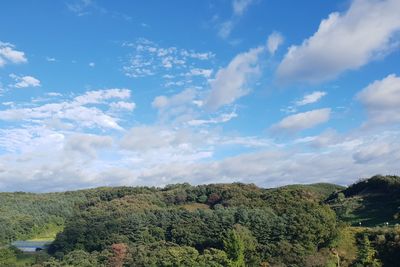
[372, 202]
[322, 189]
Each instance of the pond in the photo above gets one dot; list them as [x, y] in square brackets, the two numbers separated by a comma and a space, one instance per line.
[31, 246]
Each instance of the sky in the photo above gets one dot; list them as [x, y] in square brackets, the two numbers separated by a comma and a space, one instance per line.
[272, 92]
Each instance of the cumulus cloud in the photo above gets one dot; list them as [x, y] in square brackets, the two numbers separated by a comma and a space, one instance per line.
[48, 160]
[275, 39]
[302, 121]
[24, 81]
[343, 42]
[281, 166]
[382, 100]
[8, 54]
[230, 83]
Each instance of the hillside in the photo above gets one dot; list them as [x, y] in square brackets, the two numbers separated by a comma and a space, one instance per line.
[371, 202]
[207, 225]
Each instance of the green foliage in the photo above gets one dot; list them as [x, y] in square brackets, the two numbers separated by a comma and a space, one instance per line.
[182, 225]
[282, 225]
[26, 215]
[367, 254]
[7, 257]
[234, 247]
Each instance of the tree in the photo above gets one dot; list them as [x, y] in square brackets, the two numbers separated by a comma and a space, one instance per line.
[120, 252]
[367, 254]
[234, 247]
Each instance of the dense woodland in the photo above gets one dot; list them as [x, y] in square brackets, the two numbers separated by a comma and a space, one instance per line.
[208, 225]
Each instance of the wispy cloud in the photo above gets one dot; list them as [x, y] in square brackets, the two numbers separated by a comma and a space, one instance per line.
[176, 66]
[51, 59]
[239, 7]
[84, 7]
[307, 99]
[310, 98]
[274, 41]
[225, 117]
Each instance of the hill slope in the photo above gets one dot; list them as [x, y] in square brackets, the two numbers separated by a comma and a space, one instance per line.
[371, 202]
[209, 225]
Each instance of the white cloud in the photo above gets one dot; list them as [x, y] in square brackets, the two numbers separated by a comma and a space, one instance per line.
[306, 100]
[220, 119]
[311, 98]
[54, 94]
[280, 166]
[98, 96]
[230, 82]
[275, 39]
[225, 29]
[25, 81]
[51, 59]
[162, 142]
[86, 7]
[42, 159]
[76, 111]
[344, 42]
[9, 55]
[87, 144]
[382, 100]
[206, 73]
[368, 153]
[304, 120]
[184, 97]
[92, 64]
[178, 108]
[149, 58]
[239, 6]
[123, 105]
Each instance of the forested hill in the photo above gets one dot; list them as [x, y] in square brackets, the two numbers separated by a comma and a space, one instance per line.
[207, 225]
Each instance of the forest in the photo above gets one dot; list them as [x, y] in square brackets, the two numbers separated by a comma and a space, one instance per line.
[208, 225]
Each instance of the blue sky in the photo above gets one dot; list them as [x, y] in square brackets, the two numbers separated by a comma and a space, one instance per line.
[103, 93]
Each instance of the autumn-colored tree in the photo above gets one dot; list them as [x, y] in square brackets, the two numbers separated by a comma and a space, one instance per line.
[120, 251]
